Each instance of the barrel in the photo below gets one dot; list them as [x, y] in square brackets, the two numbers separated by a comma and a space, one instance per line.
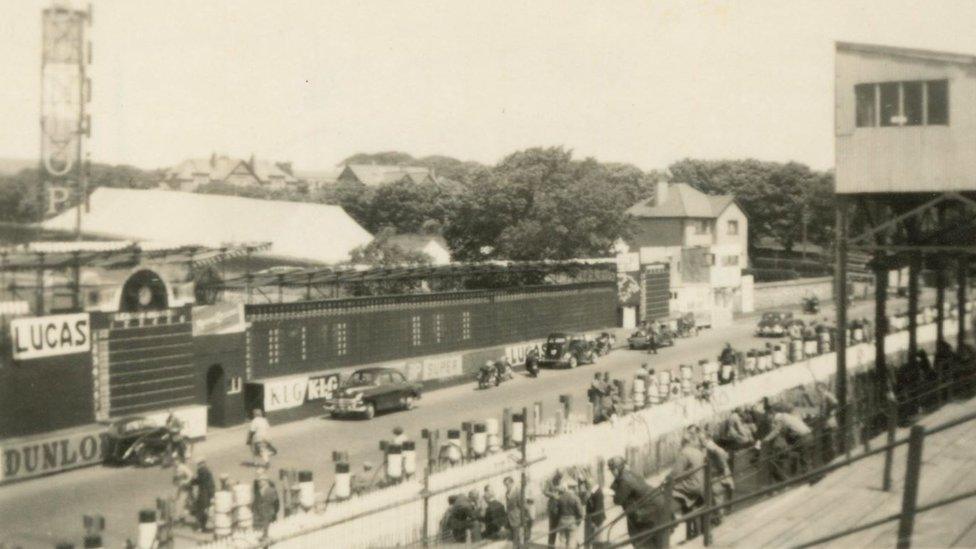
[479, 439]
[823, 342]
[342, 488]
[518, 428]
[640, 390]
[491, 426]
[147, 529]
[243, 518]
[222, 525]
[394, 461]
[810, 347]
[306, 490]
[409, 457]
[779, 355]
[653, 392]
[223, 501]
[494, 444]
[243, 494]
[858, 335]
[751, 363]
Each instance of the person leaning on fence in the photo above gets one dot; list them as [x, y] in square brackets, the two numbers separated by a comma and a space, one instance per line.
[790, 438]
[689, 477]
[723, 485]
[645, 508]
[740, 433]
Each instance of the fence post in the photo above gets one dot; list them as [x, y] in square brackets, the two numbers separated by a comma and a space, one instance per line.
[890, 452]
[913, 471]
[430, 463]
[665, 535]
[709, 501]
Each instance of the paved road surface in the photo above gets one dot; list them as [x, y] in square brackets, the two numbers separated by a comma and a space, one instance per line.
[41, 512]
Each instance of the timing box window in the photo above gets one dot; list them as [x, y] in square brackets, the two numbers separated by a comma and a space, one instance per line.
[895, 104]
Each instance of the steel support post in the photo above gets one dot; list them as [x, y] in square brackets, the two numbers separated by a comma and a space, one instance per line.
[961, 300]
[913, 269]
[840, 294]
[913, 470]
[881, 330]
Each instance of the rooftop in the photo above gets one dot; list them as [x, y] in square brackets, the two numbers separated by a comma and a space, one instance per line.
[683, 201]
[315, 233]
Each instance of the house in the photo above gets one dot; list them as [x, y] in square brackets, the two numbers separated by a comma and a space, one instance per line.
[704, 239]
[374, 175]
[190, 174]
[905, 120]
[298, 232]
[433, 245]
[315, 180]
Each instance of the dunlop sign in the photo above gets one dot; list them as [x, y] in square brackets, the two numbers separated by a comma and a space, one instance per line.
[42, 336]
[31, 458]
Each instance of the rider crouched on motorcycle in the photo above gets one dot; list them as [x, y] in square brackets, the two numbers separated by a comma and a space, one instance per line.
[178, 446]
[503, 369]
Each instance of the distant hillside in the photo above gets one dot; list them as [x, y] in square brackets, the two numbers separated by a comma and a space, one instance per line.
[10, 166]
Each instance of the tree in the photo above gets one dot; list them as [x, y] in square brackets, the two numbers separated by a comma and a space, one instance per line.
[381, 252]
[774, 196]
[538, 204]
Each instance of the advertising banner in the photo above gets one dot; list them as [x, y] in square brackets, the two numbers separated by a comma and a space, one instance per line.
[42, 336]
[442, 367]
[292, 392]
[35, 456]
[222, 318]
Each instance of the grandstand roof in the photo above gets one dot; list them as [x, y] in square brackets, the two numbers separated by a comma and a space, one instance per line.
[314, 233]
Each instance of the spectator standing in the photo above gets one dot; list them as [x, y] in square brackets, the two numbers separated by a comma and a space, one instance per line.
[205, 487]
[477, 515]
[515, 512]
[266, 504]
[552, 493]
[496, 518]
[570, 516]
[183, 481]
[595, 510]
[362, 482]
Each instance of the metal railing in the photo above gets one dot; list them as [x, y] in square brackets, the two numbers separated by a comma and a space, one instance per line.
[906, 517]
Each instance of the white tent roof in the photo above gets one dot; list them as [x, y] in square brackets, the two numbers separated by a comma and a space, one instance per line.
[296, 230]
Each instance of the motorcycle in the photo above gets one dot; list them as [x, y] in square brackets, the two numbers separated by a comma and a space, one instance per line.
[532, 363]
[604, 343]
[487, 377]
[504, 371]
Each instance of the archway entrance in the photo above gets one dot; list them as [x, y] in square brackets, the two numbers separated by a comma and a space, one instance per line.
[215, 395]
[143, 291]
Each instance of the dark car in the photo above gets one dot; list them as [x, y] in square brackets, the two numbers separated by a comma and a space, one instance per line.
[567, 350]
[776, 324]
[372, 390]
[138, 441]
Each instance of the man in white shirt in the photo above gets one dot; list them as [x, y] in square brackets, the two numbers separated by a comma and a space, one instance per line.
[257, 434]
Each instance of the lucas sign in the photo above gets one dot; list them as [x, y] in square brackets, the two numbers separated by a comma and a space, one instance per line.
[42, 336]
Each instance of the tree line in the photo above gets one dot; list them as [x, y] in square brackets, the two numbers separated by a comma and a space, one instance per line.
[537, 203]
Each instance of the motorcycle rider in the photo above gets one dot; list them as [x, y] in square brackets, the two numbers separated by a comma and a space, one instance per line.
[652, 339]
[503, 369]
[486, 373]
[532, 361]
[728, 355]
[177, 445]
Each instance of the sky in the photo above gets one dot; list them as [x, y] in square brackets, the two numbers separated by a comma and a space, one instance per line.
[313, 81]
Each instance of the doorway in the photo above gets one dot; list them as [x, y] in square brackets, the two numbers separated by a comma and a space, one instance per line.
[215, 395]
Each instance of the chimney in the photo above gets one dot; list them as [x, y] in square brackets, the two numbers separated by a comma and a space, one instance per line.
[660, 192]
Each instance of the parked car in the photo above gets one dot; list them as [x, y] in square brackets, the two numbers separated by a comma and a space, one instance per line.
[567, 350]
[138, 441]
[776, 324]
[371, 390]
[641, 339]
